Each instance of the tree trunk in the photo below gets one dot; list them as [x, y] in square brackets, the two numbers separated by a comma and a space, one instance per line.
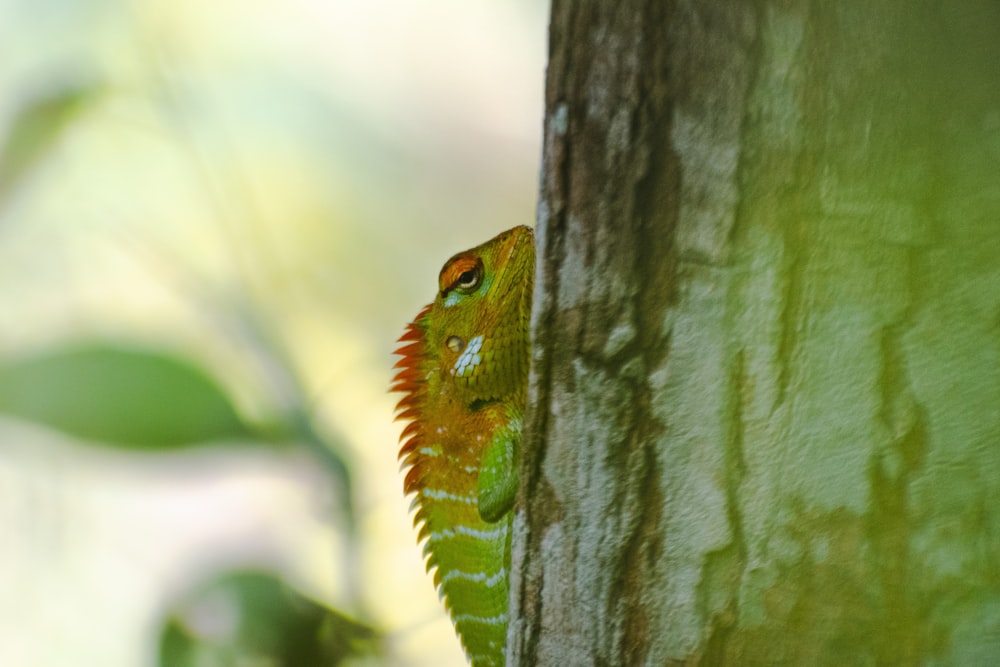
[764, 411]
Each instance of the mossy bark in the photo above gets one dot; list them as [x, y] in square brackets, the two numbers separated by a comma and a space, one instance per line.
[764, 420]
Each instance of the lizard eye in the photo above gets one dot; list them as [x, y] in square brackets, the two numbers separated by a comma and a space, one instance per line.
[468, 280]
[462, 273]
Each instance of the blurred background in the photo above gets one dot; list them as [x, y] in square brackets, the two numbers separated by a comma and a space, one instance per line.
[215, 220]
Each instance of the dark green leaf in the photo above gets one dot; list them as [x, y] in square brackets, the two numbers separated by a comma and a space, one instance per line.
[120, 396]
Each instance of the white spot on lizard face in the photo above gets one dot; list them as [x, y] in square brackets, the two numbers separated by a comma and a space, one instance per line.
[469, 359]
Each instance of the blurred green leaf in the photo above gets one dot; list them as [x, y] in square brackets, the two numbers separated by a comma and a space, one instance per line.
[248, 618]
[121, 396]
[35, 130]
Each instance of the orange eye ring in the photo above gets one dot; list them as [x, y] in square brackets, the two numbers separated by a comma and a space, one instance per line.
[462, 273]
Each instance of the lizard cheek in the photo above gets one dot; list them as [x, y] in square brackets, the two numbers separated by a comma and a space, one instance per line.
[454, 343]
[468, 362]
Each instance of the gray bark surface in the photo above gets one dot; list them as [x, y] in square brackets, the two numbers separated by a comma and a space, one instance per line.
[764, 408]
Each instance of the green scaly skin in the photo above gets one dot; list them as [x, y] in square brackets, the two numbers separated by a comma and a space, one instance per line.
[464, 371]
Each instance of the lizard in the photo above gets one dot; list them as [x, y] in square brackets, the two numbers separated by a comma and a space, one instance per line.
[464, 372]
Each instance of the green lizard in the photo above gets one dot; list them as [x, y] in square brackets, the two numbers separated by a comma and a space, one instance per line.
[464, 371]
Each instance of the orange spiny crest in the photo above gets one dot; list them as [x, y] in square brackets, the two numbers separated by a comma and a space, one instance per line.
[412, 332]
[409, 375]
[413, 479]
[407, 372]
[405, 385]
[408, 380]
[410, 430]
[407, 402]
[409, 395]
[409, 460]
[409, 412]
[409, 352]
[408, 450]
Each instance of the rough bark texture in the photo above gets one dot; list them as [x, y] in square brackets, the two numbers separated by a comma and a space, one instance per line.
[764, 420]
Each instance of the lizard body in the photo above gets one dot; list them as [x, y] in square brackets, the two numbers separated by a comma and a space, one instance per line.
[464, 370]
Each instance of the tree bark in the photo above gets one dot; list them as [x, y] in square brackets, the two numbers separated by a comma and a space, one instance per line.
[764, 406]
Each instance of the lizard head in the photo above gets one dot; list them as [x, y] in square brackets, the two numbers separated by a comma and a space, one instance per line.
[480, 317]
[471, 344]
